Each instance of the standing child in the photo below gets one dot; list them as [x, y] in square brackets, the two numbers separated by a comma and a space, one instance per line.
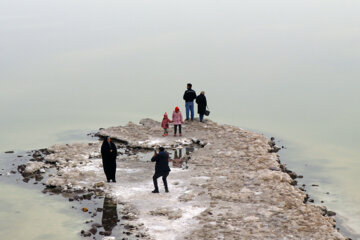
[165, 124]
[177, 120]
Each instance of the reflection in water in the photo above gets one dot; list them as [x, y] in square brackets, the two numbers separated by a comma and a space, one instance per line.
[110, 216]
[180, 161]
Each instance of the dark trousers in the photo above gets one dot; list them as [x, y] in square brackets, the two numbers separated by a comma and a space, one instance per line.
[201, 117]
[164, 176]
[175, 128]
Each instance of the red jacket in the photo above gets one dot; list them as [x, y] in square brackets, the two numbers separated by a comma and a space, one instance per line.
[165, 123]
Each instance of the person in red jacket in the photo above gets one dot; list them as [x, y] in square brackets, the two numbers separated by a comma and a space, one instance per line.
[165, 124]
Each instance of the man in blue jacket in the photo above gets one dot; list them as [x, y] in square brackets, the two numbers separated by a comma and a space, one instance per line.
[189, 97]
[161, 168]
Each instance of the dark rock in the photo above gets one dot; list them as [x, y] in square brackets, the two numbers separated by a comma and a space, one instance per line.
[306, 198]
[97, 225]
[21, 168]
[331, 213]
[37, 156]
[71, 199]
[129, 227]
[85, 233]
[105, 233]
[93, 230]
[300, 176]
[99, 209]
[19, 156]
[12, 171]
[293, 182]
[311, 200]
[9, 152]
[39, 177]
[314, 185]
[87, 196]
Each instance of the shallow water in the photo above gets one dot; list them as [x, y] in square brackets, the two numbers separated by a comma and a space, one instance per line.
[29, 214]
[289, 69]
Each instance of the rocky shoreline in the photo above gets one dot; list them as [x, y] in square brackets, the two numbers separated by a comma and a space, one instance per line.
[232, 187]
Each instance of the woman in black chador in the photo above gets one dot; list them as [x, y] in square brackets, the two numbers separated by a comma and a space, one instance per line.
[109, 153]
[201, 102]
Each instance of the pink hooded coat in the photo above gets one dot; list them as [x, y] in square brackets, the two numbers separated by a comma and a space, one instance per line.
[177, 118]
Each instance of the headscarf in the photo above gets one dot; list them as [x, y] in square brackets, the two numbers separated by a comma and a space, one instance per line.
[106, 142]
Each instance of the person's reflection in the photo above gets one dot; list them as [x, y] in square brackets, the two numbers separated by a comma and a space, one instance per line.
[176, 154]
[177, 161]
[110, 216]
[189, 150]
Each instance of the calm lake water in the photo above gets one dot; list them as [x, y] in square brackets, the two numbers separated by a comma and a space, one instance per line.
[287, 69]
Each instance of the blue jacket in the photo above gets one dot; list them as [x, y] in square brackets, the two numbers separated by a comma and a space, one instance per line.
[162, 162]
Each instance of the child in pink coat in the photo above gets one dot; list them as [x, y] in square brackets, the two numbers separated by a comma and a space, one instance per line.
[177, 120]
[165, 124]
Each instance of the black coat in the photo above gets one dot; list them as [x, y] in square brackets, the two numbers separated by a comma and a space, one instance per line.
[162, 162]
[189, 95]
[109, 159]
[201, 101]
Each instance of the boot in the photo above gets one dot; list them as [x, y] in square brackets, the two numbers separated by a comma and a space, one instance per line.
[156, 190]
[166, 186]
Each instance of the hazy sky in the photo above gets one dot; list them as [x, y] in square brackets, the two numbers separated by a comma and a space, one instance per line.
[87, 63]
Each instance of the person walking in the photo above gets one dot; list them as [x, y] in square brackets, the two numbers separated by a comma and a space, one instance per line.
[109, 154]
[177, 119]
[201, 102]
[189, 97]
[165, 124]
[162, 168]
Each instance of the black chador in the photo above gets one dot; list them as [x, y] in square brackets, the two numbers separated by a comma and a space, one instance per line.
[161, 169]
[108, 154]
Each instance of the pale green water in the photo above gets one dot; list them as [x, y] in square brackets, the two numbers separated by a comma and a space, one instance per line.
[286, 68]
[28, 214]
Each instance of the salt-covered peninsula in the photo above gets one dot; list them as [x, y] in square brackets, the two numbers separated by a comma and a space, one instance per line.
[225, 183]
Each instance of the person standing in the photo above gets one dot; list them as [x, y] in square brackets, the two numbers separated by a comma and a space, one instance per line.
[109, 154]
[162, 168]
[177, 120]
[165, 124]
[201, 102]
[189, 97]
